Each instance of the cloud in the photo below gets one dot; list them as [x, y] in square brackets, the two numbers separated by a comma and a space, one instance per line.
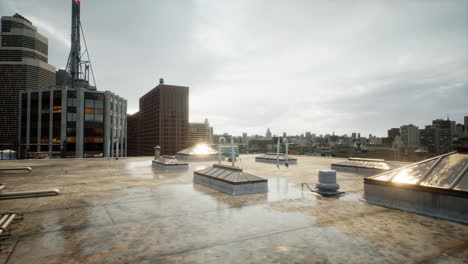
[295, 66]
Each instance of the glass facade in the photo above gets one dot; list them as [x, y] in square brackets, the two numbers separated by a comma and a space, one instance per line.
[45, 121]
[93, 125]
[34, 122]
[24, 117]
[75, 126]
[57, 118]
[71, 123]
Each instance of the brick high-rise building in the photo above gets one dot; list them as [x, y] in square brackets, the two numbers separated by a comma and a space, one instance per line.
[162, 120]
[23, 65]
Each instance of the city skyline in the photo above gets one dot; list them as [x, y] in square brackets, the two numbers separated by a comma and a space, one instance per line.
[362, 68]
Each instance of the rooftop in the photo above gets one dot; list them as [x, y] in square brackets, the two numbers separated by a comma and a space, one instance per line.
[123, 211]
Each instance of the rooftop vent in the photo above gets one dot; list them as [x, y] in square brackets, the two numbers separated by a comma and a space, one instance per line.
[326, 185]
[161, 81]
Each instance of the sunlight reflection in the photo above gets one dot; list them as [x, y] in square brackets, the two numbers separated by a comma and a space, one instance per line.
[404, 177]
[202, 149]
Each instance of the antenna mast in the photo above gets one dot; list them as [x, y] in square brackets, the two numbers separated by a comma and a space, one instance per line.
[79, 76]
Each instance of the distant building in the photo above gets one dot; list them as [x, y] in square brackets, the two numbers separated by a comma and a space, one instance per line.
[162, 120]
[375, 140]
[437, 138]
[200, 133]
[353, 136]
[245, 139]
[268, 133]
[410, 136]
[392, 133]
[260, 145]
[459, 130]
[23, 65]
[465, 123]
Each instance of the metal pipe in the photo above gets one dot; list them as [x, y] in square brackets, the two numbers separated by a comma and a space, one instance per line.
[4, 218]
[233, 155]
[219, 153]
[13, 169]
[7, 222]
[286, 143]
[18, 195]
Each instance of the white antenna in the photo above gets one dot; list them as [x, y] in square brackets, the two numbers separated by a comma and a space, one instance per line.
[219, 154]
[233, 155]
[285, 140]
[221, 140]
[277, 152]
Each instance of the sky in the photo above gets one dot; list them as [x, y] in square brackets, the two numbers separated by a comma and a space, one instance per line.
[291, 66]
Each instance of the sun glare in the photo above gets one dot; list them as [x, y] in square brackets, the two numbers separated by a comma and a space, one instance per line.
[202, 149]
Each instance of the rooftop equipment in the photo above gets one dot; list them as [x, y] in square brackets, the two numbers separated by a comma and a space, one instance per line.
[230, 180]
[169, 163]
[275, 158]
[30, 194]
[365, 166]
[436, 187]
[6, 218]
[326, 185]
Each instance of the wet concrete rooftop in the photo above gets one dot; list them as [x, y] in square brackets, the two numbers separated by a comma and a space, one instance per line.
[123, 211]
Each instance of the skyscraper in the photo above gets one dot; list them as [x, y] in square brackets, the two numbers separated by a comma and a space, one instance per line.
[162, 120]
[23, 65]
[268, 133]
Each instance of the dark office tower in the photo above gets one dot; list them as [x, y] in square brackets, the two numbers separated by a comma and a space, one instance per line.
[162, 120]
[23, 65]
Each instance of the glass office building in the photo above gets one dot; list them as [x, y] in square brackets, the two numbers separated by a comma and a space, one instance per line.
[67, 122]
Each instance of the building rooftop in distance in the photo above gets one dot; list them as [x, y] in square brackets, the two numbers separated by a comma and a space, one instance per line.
[123, 211]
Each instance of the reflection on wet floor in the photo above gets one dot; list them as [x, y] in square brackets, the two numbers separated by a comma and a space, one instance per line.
[126, 212]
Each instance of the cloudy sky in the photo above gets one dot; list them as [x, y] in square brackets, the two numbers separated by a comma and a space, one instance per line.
[293, 66]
